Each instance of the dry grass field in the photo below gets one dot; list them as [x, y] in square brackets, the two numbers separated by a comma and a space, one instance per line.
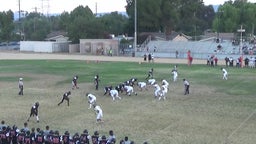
[211, 114]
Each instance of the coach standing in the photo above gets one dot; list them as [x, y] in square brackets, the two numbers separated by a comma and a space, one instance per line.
[186, 86]
[21, 84]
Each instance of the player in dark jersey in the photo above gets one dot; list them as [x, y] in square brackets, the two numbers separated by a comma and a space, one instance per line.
[56, 138]
[107, 89]
[85, 137]
[13, 134]
[74, 82]
[40, 137]
[103, 140]
[120, 87]
[96, 81]
[150, 74]
[34, 111]
[65, 97]
[3, 136]
[95, 138]
[27, 139]
[65, 137]
[133, 81]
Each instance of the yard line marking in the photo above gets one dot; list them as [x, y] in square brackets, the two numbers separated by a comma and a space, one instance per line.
[227, 139]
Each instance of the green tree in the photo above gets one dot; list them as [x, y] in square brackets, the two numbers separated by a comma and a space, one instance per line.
[6, 25]
[35, 26]
[114, 23]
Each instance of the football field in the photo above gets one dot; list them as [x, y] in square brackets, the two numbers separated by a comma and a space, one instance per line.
[216, 111]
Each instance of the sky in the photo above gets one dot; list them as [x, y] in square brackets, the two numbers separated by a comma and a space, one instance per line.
[59, 6]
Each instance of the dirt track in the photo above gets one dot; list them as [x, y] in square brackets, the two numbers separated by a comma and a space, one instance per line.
[20, 55]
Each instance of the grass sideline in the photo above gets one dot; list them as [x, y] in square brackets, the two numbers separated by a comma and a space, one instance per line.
[216, 111]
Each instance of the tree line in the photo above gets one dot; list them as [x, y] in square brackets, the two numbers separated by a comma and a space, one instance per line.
[190, 17]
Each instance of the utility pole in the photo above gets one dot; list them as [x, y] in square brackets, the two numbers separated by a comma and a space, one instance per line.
[19, 20]
[135, 26]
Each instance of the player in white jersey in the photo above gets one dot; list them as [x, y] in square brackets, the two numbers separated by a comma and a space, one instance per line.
[151, 81]
[99, 113]
[157, 90]
[164, 82]
[114, 94]
[142, 85]
[129, 90]
[175, 75]
[163, 92]
[225, 74]
[91, 99]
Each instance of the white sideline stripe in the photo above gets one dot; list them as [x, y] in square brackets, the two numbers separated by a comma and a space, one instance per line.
[226, 141]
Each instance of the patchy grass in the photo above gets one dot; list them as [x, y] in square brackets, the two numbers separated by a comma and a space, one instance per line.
[212, 113]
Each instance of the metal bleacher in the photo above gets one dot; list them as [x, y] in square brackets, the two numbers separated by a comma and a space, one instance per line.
[199, 49]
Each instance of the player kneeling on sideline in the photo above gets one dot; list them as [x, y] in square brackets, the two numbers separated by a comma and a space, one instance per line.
[91, 99]
[34, 111]
[114, 94]
[99, 113]
[129, 90]
[65, 97]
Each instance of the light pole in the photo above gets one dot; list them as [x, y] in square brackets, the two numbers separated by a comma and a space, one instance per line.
[241, 30]
[218, 29]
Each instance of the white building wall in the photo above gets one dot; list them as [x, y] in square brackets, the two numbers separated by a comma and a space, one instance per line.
[36, 46]
[44, 46]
